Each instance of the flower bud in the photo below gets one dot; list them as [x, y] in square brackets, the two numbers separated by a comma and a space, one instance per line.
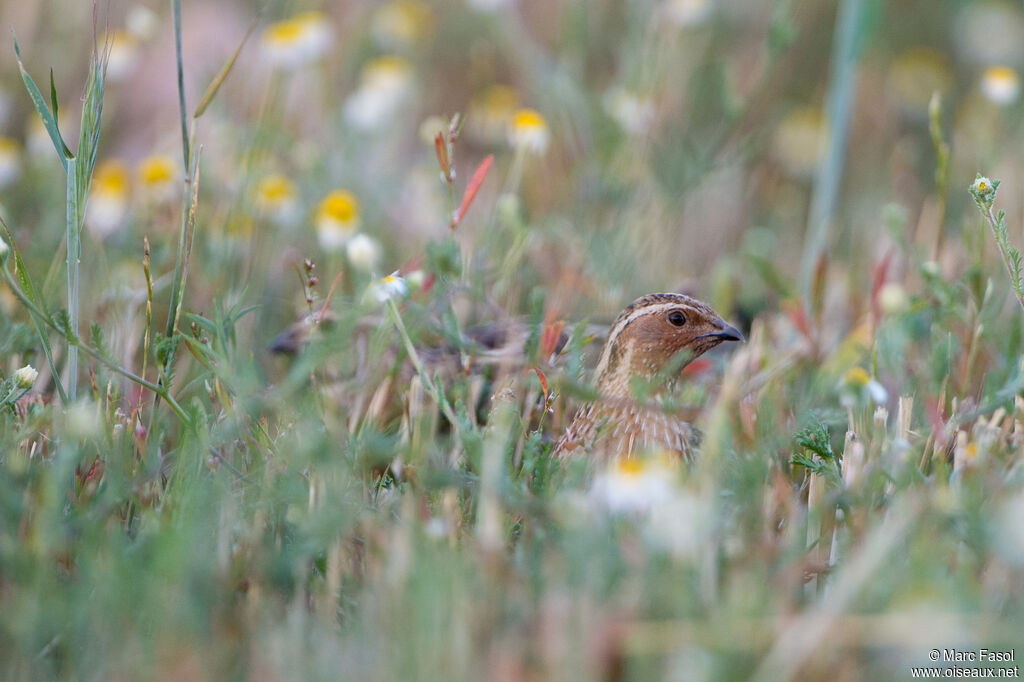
[25, 377]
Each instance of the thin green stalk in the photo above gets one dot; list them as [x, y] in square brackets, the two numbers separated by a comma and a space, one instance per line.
[434, 391]
[1008, 261]
[850, 23]
[185, 146]
[74, 259]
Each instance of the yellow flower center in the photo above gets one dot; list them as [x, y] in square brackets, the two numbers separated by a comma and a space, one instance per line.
[341, 206]
[112, 179]
[1002, 74]
[528, 119]
[501, 99]
[287, 32]
[386, 67]
[8, 147]
[857, 376]
[276, 189]
[630, 466]
[156, 170]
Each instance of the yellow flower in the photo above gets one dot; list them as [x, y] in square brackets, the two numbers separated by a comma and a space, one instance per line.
[337, 219]
[383, 86]
[799, 141]
[1000, 85]
[297, 41]
[857, 387]
[857, 377]
[635, 484]
[529, 131]
[158, 177]
[10, 161]
[400, 23]
[490, 113]
[387, 288]
[108, 198]
[277, 198]
[915, 75]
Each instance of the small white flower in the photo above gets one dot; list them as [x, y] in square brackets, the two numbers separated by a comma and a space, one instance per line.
[142, 22]
[363, 252]
[277, 199]
[877, 392]
[1000, 85]
[686, 13]
[983, 189]
[633, 485]
[857, 385]
[529, 131]
[4, 250]
[25, 377]
[388, 288]
[337, 219]
[892, 298]
[416, 279]
[633, 113]
[295, 42]
[123, 55]
[384, 84]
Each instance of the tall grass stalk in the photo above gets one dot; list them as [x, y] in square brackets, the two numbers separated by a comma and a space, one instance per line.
[78, 169]
[850, 27]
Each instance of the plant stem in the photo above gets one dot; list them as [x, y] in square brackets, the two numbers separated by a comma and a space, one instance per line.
[993, 223]
[435, 393]
[74, 257]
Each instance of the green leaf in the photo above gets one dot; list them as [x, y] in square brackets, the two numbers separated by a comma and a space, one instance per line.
[99, 341]
[25, 285]
[49, 119]
[53, 99]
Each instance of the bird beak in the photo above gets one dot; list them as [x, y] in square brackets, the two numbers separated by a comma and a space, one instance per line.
[727, 333]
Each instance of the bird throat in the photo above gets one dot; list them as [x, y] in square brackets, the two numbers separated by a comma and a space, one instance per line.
[625, 374]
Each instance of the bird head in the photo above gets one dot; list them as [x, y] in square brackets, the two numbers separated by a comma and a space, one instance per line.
[658, 333]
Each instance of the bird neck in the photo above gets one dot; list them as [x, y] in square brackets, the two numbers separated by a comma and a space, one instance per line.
[617, 369]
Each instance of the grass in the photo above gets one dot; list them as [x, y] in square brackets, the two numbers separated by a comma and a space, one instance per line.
[384, 504]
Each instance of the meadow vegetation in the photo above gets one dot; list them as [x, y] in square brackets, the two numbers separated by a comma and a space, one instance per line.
[177, 501]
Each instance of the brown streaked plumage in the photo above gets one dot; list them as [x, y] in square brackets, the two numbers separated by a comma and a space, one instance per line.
[654, 334]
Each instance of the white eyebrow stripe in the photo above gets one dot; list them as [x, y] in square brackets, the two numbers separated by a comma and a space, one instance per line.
[652, 309]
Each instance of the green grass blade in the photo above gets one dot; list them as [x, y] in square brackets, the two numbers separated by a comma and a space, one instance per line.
[49, 119]
[214, 87]
[89, 137]
[176, 11]
[25, 284]
[74, 258]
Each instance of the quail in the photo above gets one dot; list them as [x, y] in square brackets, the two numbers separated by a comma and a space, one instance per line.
[657, 334]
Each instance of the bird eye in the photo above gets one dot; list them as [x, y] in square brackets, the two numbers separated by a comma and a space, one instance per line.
[676, 318]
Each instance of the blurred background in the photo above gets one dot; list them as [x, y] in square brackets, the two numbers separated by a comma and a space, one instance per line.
[676, 139]
[801, 165]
